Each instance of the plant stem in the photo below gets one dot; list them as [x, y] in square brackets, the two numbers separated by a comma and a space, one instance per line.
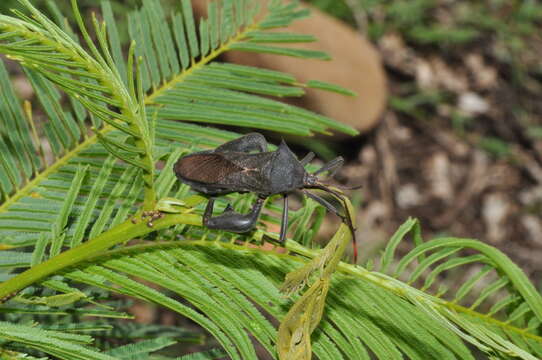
[119, 234]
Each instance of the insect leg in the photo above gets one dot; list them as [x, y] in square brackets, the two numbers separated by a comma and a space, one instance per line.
[331, 166]
[307, 159]
[231, 220]
[247, 143]
[208, 211]
[324, 203]
[284, 223]
[347, 217]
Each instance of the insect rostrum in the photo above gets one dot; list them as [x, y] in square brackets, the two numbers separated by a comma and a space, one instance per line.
[244, 165]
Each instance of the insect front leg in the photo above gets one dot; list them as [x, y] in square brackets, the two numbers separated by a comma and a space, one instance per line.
[325, 204]
[307, 159]
[231, 220]
[331, 166]
[246, 143]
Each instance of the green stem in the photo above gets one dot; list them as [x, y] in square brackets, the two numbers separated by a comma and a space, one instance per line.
[119, 234]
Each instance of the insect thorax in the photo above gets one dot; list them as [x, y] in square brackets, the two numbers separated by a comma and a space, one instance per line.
[285, 172]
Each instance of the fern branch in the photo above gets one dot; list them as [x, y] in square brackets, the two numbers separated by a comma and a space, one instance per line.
[119, 234]
[53, 168]
[200, 63]
[391, 285]
[44, 49]
[399, 288]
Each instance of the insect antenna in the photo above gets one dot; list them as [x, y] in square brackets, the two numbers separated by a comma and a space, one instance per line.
[347, 217]
[342, 187]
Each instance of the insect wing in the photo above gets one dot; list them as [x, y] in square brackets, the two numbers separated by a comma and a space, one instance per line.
[209, 168]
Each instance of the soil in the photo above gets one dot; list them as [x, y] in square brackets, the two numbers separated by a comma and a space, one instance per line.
[465, 165]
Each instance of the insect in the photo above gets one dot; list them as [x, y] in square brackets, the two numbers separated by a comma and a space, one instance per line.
[244, 165]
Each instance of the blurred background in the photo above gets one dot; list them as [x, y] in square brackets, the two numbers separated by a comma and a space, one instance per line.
[459, 142]
[449, 114]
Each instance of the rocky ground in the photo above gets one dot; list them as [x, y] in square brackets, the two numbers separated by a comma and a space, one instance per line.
[459, 144]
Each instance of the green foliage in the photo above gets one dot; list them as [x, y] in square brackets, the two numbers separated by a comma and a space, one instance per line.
[66, 220]
[56, 343]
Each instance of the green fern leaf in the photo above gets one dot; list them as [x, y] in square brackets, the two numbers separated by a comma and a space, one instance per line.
[55, 343]
[503, 327]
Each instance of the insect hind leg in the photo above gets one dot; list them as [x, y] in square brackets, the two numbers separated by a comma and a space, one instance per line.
[231, 220]
[247, 143]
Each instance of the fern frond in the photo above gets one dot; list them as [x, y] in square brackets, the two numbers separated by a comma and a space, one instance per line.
[17, 150]
[222, 93]
[220, 276]
[55, 343]
[93, 80]
[214, 354]
[140, 349]
[498, 297]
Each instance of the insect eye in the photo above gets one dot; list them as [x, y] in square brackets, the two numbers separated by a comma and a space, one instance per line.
[310, 179]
